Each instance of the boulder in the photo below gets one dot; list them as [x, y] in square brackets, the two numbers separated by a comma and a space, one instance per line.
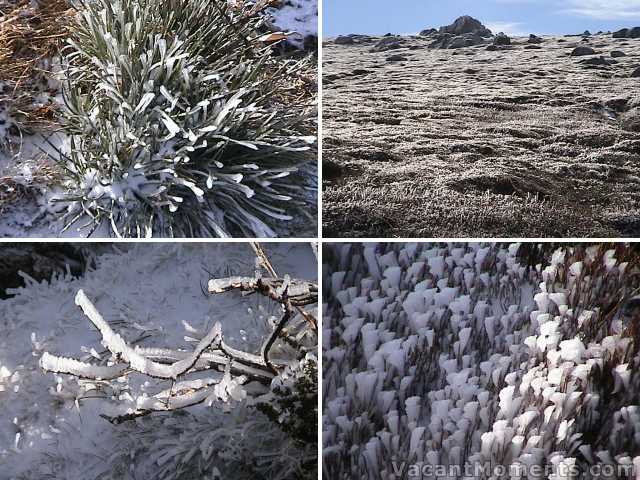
[534, 39]
[396, 58]
[533, 47]
[581, 51]
[501, 39]
[441, 40]
[621, 33]
[468, 40]
[341, 40]
[466, 24]
[618, 54]
[631, 120]
[635, 73]
[595, 61]
[627, 33]
[388, 43]
[428, 31]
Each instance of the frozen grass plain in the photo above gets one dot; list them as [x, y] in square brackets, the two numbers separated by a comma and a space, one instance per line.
[524, 141]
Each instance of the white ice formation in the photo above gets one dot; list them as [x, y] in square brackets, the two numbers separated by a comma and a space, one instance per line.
[442, 358]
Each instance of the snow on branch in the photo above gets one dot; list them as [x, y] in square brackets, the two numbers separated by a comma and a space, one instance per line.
[55, 364]
[289, 293]
[211, 357]
[116, 345]
[298, 292]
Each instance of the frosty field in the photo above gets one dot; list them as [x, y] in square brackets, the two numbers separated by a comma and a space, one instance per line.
[60, 426]
[522, 141]
[481, 361]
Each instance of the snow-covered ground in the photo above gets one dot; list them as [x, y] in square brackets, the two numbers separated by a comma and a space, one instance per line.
[152, 294]
[299, 16]
[474, 361]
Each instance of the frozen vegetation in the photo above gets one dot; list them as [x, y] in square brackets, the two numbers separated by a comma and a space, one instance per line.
[460, 133]
[138, 369]
[178, 118]
[461, 360]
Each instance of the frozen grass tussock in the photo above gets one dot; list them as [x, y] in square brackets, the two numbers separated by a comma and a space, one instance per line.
[136, 369]
[481, 361]
[181, 121]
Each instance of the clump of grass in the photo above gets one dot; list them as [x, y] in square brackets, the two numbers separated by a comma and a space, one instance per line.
[181, 121]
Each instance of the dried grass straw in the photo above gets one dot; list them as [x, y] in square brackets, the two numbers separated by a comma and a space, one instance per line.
[30, 35]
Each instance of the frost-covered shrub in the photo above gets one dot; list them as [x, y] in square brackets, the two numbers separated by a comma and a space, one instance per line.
[181, 121]
[466, 356]
[241, 445]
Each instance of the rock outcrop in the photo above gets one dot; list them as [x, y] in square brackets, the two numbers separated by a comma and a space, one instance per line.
[501, 39]
[388, 43]
[465, 31]
[342, 40]
[582, 51]
[535, 39]
[428, 31]
[627, 33]
[466, 24]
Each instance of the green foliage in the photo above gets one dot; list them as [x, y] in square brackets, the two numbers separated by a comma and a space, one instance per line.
[181, 121]
[294, 404]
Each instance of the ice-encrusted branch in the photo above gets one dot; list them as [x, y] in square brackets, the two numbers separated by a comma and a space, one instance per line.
[166, 364]
[287, 292]
[211, 356]
[240, 363]
[263, 260]
[211, 351]
[116, 344]
[299, 292]
[182, 395]
[55, 364]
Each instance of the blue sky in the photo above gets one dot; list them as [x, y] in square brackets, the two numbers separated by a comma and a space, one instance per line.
[515, 17]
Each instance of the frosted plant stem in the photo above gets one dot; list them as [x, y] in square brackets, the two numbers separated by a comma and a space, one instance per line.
[55, 364]
[116, 344]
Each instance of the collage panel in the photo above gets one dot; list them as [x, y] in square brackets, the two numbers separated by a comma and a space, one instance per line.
[492, 119]
[158, 361]
[163, 224]
[481, 360]
[158, 118]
